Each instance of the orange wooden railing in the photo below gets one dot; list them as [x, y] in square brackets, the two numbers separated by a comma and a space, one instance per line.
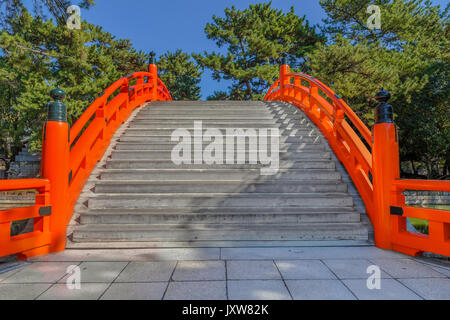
[68, 157]
[33, 243]
[372, 161]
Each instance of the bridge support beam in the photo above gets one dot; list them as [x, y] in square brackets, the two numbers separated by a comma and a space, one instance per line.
[55, 167]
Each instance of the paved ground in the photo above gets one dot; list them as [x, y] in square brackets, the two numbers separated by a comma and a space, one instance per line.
[227, 273]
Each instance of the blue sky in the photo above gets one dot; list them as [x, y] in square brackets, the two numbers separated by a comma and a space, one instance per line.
[178, 24]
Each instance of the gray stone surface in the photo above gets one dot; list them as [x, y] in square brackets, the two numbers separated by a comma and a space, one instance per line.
[290, 253]
[431, 288]
[196, 290]
[160, 254]
[199, 270]
[257, 290]
[147, 271]
[406, 268]
[304, 269]
[247, 270]
[40, 272]
[318, 290]
[7, 274]
[124, 201]
[351, 268]
[22, 291]
[88, 291]
[99, 271]
[135, 291]
[390, 289]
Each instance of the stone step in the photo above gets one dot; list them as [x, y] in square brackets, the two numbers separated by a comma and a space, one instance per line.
[168, 164]
[252, 232]
[211, 123]
[213, 215]
[230, 186]
[217, 174]
[219, 200]
[206, 117]
[202, 112]
[204, 126]
[311, 138]
[283, 155]
[291, 147]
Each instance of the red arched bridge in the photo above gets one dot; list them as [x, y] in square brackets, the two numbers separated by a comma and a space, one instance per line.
[111, 177]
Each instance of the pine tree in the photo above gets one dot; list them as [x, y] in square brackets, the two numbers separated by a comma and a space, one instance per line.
[255, 39]
[180, 74]
[408, 56]
[38, 55]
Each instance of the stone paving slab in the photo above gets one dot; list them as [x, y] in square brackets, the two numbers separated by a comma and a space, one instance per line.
[199, 270]
[246, 270]
[406, 268]
[99, 271]
[22, 291]
[138, 271]
[304, 269]
[431, 288]
[257, 290]
[40, 272]
[227, 273]
[196, 290]
[88, 291]
[134, 254]
[390, 289]
[319, 290]
[135, 291]
[351, 269]
[307, 253]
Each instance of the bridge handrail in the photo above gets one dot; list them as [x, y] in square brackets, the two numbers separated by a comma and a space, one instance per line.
[68, 158]
[343, 139]
[39, 238]
[372, 161]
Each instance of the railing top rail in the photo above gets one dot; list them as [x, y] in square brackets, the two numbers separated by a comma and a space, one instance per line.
[338, 103]
[24, 184]
[422, 185]
[101, 101]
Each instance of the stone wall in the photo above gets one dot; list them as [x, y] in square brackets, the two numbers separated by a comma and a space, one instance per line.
[26, 165]
[422, 198]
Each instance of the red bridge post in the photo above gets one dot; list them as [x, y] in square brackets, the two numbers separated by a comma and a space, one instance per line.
[385, 164]
[55, 166]
[153, 69]
[284, 79]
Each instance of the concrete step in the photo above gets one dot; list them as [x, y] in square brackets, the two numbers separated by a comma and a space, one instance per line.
[214, 215]
[231, 123]
[291, 147]
[165, 154]
[230, 186]
[167, 139]
[202, 112]
[168, 164]
[219, 200]
[206, 117]
[294, 131]
[252, 232]
[217, 174]
[190, 126]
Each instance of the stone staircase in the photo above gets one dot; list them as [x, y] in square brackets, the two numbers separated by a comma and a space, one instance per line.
[138, 197]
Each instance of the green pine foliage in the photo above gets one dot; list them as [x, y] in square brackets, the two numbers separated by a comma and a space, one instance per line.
[37, 55]
[409, 56]
[180, 74]
[255, 39]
